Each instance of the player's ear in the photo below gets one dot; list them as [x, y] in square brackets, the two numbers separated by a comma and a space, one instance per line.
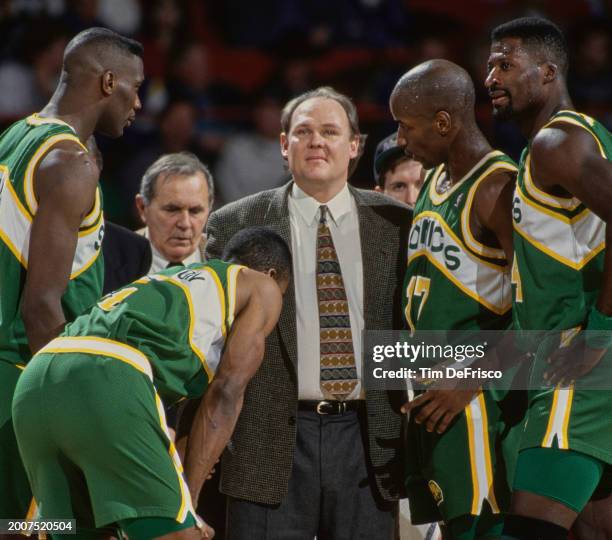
[108, 83]
[284, 144]
[443, 123]
[140, 206]
[550, 72]
[271, 272]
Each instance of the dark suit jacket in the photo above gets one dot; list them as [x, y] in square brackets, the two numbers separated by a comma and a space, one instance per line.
[258, 461]
[127, 256]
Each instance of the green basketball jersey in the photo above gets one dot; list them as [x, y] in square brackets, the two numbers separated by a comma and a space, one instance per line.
[454, 282]
[178, 319]
[22, 147]
[559, 245]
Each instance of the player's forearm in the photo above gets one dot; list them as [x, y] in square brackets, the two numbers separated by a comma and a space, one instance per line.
[43, 319]
[212, 428]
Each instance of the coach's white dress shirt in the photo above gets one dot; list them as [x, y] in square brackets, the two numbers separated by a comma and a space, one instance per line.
[343, 223]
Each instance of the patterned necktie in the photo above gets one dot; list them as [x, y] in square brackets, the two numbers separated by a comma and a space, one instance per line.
[338, 371]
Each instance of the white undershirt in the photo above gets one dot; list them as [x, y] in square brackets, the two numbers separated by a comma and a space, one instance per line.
[343, 223]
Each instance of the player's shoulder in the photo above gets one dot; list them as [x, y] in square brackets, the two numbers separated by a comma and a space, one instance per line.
[69, 158]
[259, 285]
[558, 141]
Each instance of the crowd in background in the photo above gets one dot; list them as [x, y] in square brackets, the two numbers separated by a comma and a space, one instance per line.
[218, 73]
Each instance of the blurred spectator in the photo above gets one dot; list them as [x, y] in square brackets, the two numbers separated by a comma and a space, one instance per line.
[190, 80]
[397, 174]
[252, 161]
[120, 15]
[176, 195]
[590, 75]
[162, 25]
[175, 133]
[81, 14]
[29, 77]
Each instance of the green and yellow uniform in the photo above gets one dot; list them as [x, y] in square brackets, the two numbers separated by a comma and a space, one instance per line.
[22, 148]
[454, 282]
[557, 275]
[88, 407]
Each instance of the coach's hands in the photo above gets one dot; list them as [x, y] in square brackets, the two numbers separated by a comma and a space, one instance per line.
[567, 364]
[437, 408]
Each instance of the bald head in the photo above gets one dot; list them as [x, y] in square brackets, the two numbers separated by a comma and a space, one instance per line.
[433, 86]
[96, 50]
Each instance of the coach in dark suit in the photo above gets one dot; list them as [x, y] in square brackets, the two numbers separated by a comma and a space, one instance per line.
[127, 256]
[314, 451]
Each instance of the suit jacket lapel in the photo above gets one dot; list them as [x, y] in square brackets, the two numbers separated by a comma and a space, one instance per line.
[277, 218]
[375, 255]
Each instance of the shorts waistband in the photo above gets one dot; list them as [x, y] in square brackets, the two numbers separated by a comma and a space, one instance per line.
[100, 346]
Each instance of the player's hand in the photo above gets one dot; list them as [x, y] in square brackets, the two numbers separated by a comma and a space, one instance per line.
[206, 531]
[212, 471]
[438, 408]
[567, 364]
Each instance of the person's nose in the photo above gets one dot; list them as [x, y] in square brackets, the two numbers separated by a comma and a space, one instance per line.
[183, 222]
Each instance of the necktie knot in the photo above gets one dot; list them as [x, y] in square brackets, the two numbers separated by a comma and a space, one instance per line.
[323, 216]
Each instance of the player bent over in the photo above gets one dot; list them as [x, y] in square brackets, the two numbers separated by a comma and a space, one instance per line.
[89, 407]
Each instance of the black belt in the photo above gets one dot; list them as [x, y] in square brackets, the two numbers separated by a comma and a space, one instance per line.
[331, 406]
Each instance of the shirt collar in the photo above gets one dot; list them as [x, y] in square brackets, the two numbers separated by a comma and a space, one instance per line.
[308, 207]
[159, 262]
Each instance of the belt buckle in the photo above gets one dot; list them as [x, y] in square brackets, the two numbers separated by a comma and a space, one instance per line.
[320, 405]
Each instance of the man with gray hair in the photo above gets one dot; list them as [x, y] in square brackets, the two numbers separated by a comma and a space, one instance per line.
[176, 194]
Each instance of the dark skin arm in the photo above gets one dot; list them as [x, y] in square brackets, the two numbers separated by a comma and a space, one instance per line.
[259, 304]
[568, 157]
[65, 184]
[491, 215]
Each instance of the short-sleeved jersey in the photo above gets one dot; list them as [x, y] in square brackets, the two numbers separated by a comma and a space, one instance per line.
[559, 245]
[22, 147]
[178, 319]
[453, 281]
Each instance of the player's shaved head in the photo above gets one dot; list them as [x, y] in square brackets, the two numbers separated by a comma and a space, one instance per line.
[433, 86]
[96, 50]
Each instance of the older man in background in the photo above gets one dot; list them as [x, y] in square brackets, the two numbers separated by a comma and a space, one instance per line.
[176, 194]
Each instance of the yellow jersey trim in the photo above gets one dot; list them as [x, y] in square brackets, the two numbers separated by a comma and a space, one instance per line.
[575, 122]
[232, 290]
[88, 230]
[458, 284]
[439, 198]
[470, 240]
[192, 344]
[37, 120]
[43, 149]
[86, 265]
[221, 299]
[86, 345]
[545, 210]
[576, 266]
